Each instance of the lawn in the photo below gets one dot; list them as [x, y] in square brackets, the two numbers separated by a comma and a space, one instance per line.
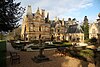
[2, 53]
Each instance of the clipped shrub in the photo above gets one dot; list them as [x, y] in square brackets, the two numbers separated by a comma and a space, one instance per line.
[35, 41]
[67, 43]
[57, 42]
[87, 53]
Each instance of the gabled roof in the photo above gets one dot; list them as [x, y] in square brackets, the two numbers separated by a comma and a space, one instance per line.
[74, 29]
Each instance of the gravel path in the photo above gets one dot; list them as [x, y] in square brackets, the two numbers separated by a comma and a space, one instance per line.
[55, 60]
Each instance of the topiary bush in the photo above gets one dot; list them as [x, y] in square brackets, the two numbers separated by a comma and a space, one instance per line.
[88, 54]
[35, 41]
[57, 42]
[67, 43]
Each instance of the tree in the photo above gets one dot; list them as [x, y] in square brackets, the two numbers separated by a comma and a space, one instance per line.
[15, 34]
[10, 13]
[85, 28]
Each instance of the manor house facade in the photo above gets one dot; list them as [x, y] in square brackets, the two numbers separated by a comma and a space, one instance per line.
[37, 25]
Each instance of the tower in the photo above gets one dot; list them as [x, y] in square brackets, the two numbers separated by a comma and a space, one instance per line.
[29, 12]
[85, 19]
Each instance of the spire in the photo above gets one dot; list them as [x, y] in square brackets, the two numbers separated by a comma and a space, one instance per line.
[85, 19]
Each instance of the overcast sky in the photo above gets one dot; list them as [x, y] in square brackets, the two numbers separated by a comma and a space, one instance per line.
[66, 8]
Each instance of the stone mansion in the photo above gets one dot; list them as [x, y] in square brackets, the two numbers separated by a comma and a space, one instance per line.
[37, 26]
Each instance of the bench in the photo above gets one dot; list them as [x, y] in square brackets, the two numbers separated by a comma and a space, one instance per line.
[15, 58]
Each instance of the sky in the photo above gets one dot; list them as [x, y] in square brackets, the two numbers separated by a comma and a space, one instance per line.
[66, 8]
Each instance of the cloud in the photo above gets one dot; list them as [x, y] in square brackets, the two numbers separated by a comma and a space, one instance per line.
[59, 8]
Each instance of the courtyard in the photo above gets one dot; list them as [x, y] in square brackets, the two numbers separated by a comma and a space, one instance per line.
[56, 60]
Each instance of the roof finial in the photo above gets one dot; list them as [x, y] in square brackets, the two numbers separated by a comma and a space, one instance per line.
[38, 11]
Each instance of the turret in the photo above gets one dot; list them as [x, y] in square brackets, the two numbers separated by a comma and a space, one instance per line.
[85, 19]
[29, 12]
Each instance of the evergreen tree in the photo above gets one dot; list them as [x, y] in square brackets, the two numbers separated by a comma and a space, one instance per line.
[10, 13]
[85, 28]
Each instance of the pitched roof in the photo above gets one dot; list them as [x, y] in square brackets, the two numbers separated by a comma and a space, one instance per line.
[74, 29]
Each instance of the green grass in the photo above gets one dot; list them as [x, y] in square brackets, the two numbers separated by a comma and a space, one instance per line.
[2, 53]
